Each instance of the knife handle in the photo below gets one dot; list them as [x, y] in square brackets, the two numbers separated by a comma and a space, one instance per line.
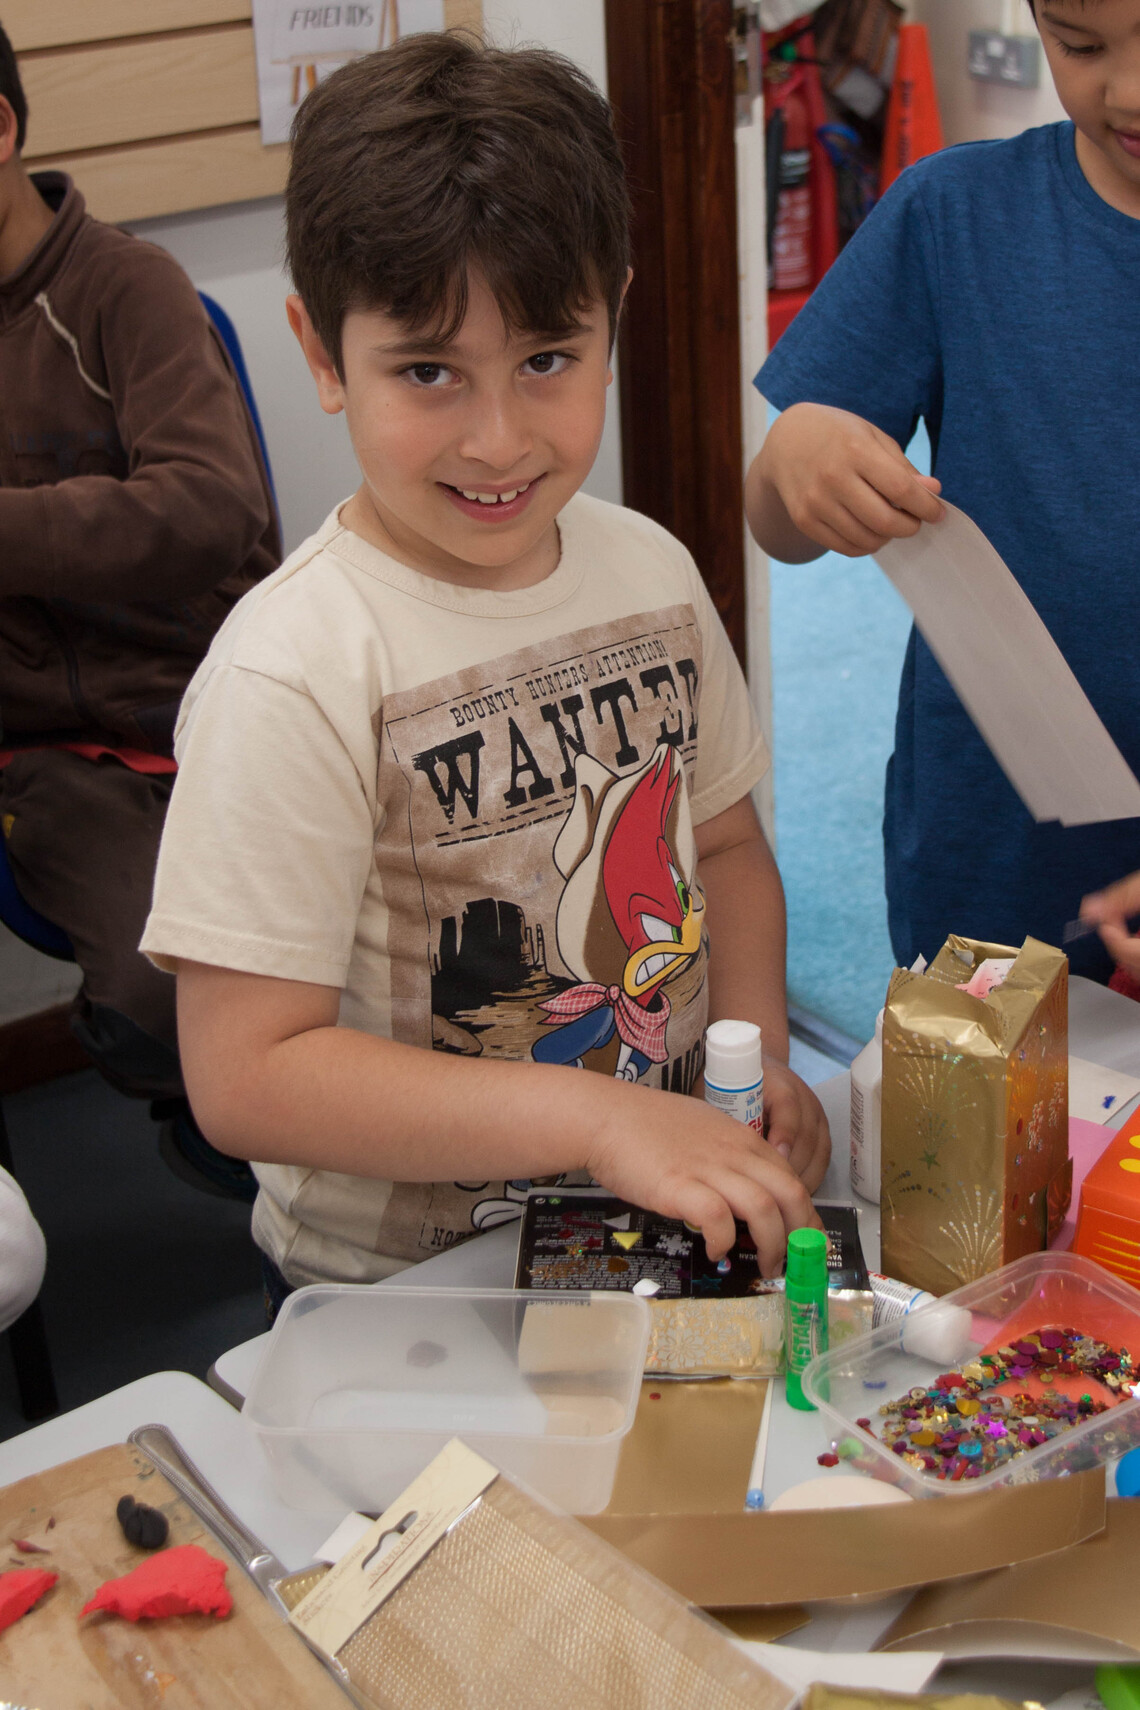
[161, 1447]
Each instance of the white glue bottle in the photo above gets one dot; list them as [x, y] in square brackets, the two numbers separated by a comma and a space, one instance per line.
[734, 1071]
[940, 1332]
[867, 1116]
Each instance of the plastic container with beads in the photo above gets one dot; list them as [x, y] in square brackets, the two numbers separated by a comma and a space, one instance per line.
[853, 1385]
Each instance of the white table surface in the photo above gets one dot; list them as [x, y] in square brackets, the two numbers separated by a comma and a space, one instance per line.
[1103, 1028]
[212, 1433]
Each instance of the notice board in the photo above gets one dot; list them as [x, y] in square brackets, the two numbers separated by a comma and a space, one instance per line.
[151, 105]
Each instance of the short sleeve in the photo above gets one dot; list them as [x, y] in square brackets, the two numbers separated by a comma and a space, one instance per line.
[269, 836]
[732, 755]
[867, 338]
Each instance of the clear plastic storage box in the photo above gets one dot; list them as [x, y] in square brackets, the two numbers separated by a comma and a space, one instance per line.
[1043, 1291]
[359, 1388]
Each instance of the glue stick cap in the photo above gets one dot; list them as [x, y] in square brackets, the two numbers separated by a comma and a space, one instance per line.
[733, 1056]
[807, 1257]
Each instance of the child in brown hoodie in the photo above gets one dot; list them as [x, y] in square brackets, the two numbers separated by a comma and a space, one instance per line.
[135, 509]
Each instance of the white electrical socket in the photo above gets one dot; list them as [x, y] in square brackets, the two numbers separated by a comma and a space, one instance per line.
[1012, 60]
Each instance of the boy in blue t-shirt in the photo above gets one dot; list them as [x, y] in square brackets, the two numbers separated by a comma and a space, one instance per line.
[993, 293]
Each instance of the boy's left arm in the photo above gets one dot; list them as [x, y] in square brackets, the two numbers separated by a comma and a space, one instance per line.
[744, 898]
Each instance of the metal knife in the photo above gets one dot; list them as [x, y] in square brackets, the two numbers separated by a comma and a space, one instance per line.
[263, 1567]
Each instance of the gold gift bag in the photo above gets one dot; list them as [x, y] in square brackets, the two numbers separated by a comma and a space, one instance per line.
[975, 1135]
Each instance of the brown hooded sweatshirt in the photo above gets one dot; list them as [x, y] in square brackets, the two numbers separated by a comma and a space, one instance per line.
[135, 507]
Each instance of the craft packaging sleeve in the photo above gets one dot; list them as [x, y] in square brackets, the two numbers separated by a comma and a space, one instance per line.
[975, 1153]
[469, 1594]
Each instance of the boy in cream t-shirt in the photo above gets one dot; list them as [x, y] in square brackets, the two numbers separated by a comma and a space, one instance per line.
[463, 802]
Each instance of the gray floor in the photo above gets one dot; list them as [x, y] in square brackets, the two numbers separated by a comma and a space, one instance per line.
[144, 1274]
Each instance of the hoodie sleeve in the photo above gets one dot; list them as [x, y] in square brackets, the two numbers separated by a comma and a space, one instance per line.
[195, 499]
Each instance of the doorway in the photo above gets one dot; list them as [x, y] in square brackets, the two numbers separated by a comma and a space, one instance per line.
[693, 336]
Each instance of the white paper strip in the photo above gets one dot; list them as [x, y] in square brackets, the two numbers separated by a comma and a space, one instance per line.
[1010, 675]
[801, 1669]
[1097, 1094]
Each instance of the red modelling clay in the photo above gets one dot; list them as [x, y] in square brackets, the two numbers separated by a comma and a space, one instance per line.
[184, 1580]
[19, 1589]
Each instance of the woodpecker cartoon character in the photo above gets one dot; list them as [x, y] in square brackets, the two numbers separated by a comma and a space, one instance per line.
[630, 916]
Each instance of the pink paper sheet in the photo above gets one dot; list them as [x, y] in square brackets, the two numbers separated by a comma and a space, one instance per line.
[1087, 1140]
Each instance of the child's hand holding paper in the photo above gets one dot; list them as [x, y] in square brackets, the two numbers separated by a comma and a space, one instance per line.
[840, 482]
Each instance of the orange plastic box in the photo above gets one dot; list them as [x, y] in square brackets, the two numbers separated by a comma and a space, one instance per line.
[1108, 1220]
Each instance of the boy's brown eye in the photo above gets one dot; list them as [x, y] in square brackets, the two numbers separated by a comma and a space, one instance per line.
[427, 372]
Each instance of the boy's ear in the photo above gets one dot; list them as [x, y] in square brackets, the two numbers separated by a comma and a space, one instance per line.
[9, 130]
[330, 387]
[617, 322]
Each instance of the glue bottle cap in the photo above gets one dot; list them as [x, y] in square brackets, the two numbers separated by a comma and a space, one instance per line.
[733, 1056]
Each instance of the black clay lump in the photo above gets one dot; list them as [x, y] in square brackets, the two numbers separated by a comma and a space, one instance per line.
[141, 1525]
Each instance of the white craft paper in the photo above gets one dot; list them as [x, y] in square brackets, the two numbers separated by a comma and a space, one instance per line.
[299, 45]
[1097, 1094]
[347, 1535]
[976, 1640]
[881, 1671]
[1010, 675]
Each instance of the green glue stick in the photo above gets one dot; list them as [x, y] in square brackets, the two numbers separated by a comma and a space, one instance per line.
[805, 1308]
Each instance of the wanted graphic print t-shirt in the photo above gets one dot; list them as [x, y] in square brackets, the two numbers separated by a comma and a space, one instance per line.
[473, 813]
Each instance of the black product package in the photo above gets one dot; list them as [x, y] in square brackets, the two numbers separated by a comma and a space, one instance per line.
[708, 1318]
[573, 1240]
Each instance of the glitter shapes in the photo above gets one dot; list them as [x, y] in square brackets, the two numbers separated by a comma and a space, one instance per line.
[967, 1423]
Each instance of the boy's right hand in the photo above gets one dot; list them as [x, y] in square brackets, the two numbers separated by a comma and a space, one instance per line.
[844, 483]
[683, 1159]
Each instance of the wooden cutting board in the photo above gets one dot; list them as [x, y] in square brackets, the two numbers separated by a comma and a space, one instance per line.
[251, 1661]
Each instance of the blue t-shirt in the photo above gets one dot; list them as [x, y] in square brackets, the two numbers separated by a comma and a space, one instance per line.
[994, 294]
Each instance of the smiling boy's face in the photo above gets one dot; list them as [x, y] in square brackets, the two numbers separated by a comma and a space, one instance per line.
[1093, 49]
[468, 450]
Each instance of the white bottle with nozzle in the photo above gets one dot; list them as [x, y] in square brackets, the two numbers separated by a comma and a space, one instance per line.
[734, 1071]
[867, 1116]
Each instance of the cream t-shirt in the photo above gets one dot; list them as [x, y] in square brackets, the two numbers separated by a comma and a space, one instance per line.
[473, 812]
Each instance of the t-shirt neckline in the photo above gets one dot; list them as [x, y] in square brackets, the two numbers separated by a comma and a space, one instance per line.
[1092, 203]
[563, 581]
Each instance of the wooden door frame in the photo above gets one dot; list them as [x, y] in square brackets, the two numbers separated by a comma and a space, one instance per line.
[671, 85]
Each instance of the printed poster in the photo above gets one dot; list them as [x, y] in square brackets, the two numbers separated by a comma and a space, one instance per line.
[540, 874]
[298, 45]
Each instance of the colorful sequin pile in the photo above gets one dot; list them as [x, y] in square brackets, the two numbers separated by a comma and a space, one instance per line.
[961, 1427]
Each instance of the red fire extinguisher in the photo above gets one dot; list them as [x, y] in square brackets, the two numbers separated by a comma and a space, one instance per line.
[792, 268]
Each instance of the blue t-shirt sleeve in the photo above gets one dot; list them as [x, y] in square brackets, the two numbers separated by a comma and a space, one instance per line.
[867, 338]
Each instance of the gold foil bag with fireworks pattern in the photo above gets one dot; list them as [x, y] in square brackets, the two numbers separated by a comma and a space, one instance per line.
[975, 1135]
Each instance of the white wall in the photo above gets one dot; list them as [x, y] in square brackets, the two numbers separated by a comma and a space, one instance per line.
[973, 111]
[235, 254]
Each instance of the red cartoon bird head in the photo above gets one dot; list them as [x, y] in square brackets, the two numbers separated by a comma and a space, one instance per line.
[625, 833]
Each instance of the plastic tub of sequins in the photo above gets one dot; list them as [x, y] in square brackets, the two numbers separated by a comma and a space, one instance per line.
[359, 1388]
[1032, 1372]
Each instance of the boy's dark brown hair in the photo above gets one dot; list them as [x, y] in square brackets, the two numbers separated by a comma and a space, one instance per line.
[12, 89]
[440, 154]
